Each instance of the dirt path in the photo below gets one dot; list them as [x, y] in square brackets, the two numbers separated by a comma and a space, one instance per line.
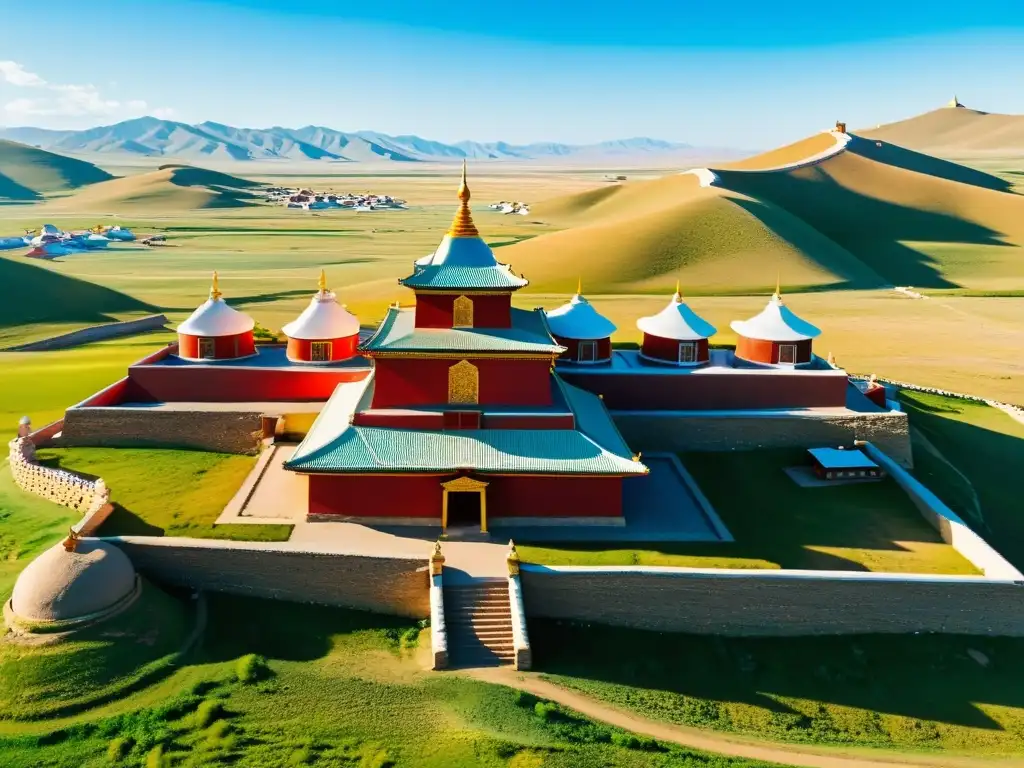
[719, 743]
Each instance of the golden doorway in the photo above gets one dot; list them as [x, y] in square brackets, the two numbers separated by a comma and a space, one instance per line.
[461, 512]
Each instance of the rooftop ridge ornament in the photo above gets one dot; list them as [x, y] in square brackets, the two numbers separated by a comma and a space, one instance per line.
[322, 282]
[71, 542]
[462, 224]
[777, 297]
[579, 286]
[678, 295]
[215, 293]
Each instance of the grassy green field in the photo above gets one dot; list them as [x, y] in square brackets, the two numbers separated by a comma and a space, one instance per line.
[970, 454]
[902, 693]
[165, 492]
[778, 524]
[28, 174]
[99, 664]
[348, 690]
[43, 384]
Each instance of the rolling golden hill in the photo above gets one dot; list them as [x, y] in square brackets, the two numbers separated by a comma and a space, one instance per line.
[28, 173]
[870, 215]
[955, 130]
[170, 187]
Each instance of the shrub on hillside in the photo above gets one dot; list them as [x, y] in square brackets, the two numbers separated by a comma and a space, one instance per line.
[545, 710]
[251, 668]
[524, 699]
[208, 711]
[118, 748]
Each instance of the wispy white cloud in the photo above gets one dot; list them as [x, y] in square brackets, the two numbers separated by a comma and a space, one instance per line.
[67, 99]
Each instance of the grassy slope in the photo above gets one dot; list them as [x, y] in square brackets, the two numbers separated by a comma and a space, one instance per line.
[28, 173]
[777, 524]
[171, 187]
[897, 692]
[344, 691]
[868, 216]
[164, 492]
[955, 130]
[986, 448]
[44, 295]
[98, 664]
[43, 384]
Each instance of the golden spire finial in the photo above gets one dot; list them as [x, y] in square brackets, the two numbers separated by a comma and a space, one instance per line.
[778, 284]
[322, 283]
[462, 224]
[215, 293]
[679, 295]
[579, 286]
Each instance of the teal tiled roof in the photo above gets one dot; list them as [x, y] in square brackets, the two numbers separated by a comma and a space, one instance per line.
[398, 333]
[380, 449]
[450, 277]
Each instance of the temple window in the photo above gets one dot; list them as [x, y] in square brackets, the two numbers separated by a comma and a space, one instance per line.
[463, 383]
[207, 349]
[462, 312]
[587, 351]
[787, 353]
[687, 352]
[320, 351]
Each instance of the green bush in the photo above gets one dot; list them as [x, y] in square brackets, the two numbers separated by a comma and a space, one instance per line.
[156, 758]
[524, 699]
[545, 710]
[208, 711]
[118, 748]
[251, 668]
[219, 735]
[411, 637]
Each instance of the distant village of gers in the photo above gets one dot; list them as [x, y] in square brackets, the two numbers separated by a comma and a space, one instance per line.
[736, 447]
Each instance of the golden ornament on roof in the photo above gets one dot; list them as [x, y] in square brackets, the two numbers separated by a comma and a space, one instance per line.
[462, 224]
[215, 287]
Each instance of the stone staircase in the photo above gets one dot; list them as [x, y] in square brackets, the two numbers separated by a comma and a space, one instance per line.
[479, 621]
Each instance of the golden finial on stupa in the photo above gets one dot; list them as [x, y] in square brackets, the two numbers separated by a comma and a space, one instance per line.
[778, 288]
[679, 295]
[71, 542]
[462, 224]
[579, 286]
[215, 287]
[322, 283]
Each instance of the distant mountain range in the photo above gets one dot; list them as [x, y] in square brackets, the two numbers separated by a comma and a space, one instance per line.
[153, 137]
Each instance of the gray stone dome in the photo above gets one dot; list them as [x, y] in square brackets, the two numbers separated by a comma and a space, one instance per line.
[94, 580]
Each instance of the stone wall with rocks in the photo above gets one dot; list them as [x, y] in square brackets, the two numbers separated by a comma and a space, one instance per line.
[95, 333]
[681, 431]
[733, 602]
[282, 571]
[132, 427]
[90, 497]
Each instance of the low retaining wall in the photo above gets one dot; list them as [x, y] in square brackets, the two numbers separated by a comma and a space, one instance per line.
[677, 431]
[133, 427]
[951, 528]
[278, 571]
[95, 333]
[90, 497]
[737, 602]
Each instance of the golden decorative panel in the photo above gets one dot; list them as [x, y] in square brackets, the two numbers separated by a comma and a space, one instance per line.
[320, 351]
[462, 312]
[463, 383]
[464, 484]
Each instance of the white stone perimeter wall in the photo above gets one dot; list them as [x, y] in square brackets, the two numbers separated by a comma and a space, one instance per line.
[90, 497]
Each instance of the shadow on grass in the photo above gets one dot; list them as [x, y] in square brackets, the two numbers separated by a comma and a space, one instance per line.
[873, 230]
[287, 631]
[929, 677]
[989, 460]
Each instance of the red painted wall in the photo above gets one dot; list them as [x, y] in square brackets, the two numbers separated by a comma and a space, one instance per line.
[507, 495]
[400, 419]
[553, 496]
[224, 347]
[341, 349]
[709, 391]
[668, 349]
[435, 310]
[406, 381]
[757, 351]
[572, 353]
[213, 384]
[406, 419]
[376, 495]
[113, 394]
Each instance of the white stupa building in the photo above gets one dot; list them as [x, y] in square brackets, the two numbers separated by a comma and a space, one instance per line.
[582, 330]
[677, 335]
[325, 332]
[776, 336]
[216, 331]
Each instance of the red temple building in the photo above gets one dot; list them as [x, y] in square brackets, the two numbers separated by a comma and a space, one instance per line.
[463, 420]
[585, 333]
[216, 331]
[677, 335]
[776, 336]
[325, 332]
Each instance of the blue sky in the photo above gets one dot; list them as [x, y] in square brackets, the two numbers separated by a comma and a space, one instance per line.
[740, 73]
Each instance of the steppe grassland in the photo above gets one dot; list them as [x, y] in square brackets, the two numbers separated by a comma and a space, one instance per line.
[269, 258]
